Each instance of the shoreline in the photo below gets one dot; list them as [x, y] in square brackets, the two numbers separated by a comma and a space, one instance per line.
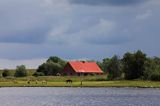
[77, 87]
[91, 84]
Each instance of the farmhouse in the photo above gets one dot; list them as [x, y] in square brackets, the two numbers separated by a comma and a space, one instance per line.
[81, 68]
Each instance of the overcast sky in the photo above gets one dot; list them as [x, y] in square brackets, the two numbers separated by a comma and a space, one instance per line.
[33, 30]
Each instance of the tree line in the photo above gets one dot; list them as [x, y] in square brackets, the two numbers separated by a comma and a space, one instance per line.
[130, 66]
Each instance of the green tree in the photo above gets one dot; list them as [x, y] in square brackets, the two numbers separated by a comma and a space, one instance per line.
[100, 64]
[134, 64]
[113, 66]
[105, 63]
[56, 59]
[52, 66]
[20, 71]
[149, 67]
[152, 69]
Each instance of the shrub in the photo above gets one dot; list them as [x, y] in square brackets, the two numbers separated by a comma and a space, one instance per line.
[36, 74]
[100, 79]
[155, 76]
[6, 73]
[20, 71]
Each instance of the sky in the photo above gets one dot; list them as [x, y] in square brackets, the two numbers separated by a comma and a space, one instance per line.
[33, 30]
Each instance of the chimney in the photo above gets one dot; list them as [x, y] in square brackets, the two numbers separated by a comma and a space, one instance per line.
[83, 61]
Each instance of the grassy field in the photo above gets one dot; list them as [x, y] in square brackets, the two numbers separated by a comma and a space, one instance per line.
[59, 81]
[144, 84]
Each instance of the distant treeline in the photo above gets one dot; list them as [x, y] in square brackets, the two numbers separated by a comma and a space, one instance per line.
[132, 66]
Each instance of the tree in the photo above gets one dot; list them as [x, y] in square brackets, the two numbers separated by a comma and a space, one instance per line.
[134, 64]
[5, 73]
[152, 69]
[100, 64]
[105, 63]
[149, 67]
[20, 71]
[52, 66]
[113, 66]
[56, 59]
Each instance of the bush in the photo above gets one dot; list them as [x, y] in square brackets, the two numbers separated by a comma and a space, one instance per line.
[36, 74]
[155, 77]
[100, 79]
[20, 71]
[6, 73]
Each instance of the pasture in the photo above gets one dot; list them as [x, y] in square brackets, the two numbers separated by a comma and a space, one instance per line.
[60, 81]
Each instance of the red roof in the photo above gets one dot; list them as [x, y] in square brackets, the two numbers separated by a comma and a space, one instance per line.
[85, 67]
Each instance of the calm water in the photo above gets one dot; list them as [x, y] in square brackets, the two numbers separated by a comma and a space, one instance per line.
[79, 97]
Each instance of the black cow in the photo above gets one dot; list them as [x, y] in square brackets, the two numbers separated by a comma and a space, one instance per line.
[69, 81]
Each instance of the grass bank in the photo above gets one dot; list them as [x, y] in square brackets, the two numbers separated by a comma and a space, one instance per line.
[88, 81]
[142, 84]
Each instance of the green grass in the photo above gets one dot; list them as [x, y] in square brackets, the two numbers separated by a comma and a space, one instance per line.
[59, 81]
[85, 84]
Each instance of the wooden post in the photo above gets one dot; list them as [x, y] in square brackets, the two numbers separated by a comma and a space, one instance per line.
[81, 75]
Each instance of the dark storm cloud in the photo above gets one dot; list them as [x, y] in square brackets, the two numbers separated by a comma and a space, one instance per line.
[33, 37]
[109, 41]
[108, 2]
[77, 29]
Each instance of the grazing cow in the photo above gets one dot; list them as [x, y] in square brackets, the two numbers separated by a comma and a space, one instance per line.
[44, 82]
[28, 81]
[36, 81]
[69, 81]
[14, 81]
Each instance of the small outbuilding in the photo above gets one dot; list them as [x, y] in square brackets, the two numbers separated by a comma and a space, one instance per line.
[77, 68]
